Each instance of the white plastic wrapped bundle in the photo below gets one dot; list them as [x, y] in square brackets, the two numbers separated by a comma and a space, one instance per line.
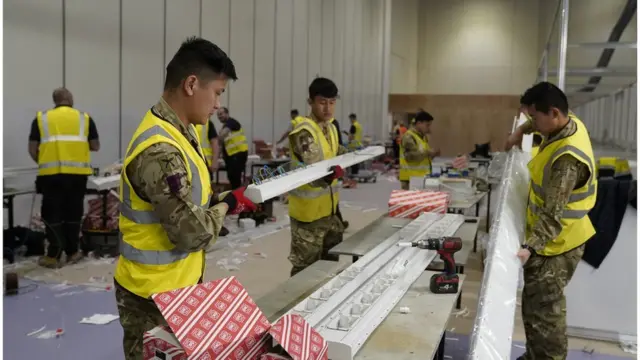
[493, 326]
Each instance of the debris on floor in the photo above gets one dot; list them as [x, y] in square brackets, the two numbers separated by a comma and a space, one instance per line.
[48, 334]
[629, 346]
[99, 319]
[405, 310]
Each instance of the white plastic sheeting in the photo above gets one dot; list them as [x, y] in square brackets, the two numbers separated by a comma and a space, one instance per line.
[493, 326]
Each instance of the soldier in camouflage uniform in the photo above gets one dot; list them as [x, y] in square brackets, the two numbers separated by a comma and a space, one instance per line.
[547, 273]
[196, 77]
[311, 241]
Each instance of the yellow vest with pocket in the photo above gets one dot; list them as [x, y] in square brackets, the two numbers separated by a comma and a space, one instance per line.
[149, 263]
[576, 225]
[203, 137]
[309, 203]
[411, 169]
[357, 137]
[620, 167]
[64, 144]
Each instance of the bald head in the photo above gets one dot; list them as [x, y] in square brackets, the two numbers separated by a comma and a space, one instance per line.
[62, 96]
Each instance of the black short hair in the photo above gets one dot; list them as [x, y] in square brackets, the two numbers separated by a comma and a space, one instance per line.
[352, 116]
[225, 109]
[545, 96]
[423, 116]
[294, 112]
[525, 99]
[200, 57]
[323, 87]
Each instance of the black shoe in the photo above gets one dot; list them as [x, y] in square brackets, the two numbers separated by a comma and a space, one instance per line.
[345, 224]
[224, 231]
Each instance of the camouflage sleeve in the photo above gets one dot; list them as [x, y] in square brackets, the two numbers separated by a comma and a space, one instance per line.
[342, 150]
[566, 173]
[307, 150]
[412, 151]
[159, 175]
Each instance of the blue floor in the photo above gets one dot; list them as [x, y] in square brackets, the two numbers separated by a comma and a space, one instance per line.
[63, 307]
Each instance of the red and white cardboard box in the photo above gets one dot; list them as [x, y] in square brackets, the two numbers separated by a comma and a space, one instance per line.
[219, 320]
[411, 203]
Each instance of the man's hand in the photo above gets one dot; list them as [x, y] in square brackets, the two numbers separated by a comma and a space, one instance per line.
[336, 173]
[433, 153]
[214, 165]
[514, 139]
[524, 255]
[237, 202]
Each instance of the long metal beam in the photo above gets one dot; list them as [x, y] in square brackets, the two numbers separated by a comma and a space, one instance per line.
[562, 48]
[616, 72]
[603, 45]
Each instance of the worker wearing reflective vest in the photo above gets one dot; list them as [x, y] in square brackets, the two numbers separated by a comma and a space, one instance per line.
[295, 119]
[613, 167]
[60, 143]
[208, 137]
[355, 133]
[415, 152]
[563, 190]
[235, 149]
[315, 226]
[165, 218]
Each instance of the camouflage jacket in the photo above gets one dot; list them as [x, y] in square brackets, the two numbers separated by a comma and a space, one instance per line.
[412, 152]
[567, 174]
[188, 226]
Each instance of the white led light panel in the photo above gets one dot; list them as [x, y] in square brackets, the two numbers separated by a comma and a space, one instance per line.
[351, 306]
[293, 179]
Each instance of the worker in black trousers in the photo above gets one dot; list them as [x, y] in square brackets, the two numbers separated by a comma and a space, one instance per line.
[235, 149]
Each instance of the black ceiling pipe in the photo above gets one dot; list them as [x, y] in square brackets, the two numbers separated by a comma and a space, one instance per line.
[605, 58]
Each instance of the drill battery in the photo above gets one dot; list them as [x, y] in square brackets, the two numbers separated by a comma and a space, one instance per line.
[444, 283]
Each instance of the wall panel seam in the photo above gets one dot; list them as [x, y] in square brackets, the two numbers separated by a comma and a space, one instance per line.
[253, 69]
[64, 43]
[229, 51]
[273, 73]
[164, 39]
[120, 83]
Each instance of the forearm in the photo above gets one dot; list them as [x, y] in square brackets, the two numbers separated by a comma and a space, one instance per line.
[557, 190]
[215, 149]
[526, 128]
[342, 150]
[192, 228]
[33, 150]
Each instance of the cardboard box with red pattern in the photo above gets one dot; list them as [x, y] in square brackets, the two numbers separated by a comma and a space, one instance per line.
[411, 203]
[219, 320]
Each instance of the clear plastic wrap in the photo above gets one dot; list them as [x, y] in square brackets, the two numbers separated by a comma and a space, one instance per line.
[493, 326]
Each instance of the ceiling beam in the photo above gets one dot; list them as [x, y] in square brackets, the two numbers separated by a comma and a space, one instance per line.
[598, 72]
[604, 45]
[622, 23]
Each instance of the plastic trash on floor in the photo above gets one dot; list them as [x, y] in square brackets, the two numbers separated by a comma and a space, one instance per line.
[493, 325]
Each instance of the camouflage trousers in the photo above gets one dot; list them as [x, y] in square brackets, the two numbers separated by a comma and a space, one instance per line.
[137, 315]
[404, 185]
[544, 307]
[312, 241]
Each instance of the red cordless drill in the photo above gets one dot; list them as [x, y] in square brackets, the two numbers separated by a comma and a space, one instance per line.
[446, 282]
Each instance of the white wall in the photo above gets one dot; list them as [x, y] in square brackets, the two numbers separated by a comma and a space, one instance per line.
[112, 55]
[464, 46]
[404, 47]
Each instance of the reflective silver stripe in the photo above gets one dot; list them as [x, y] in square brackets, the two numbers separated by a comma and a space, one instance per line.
[539, 191]
[314, 194]
[46, 136]
[606, 167]
[150, 257]
[408, 167]
[72, 164]
[235, 145]
[154, 257]
[566, 213]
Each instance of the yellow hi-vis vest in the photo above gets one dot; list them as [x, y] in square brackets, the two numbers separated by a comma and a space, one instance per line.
[64, 144]
[619, 167]
[203, 137]
[236, 142]
[534, 151]
[296, 120]
[357, 137]
[149, 263]
[576, 226]
[410, 169]
[309, 203]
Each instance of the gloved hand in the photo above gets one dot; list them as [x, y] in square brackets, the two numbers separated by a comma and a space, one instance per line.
[237, 202]
[336, 173]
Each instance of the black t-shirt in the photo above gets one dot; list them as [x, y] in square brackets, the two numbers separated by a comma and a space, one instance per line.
[337, 125]
[352, 130]
[212, 134]
[34, 135]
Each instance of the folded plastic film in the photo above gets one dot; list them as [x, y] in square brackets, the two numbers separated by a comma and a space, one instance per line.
[493, 326]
